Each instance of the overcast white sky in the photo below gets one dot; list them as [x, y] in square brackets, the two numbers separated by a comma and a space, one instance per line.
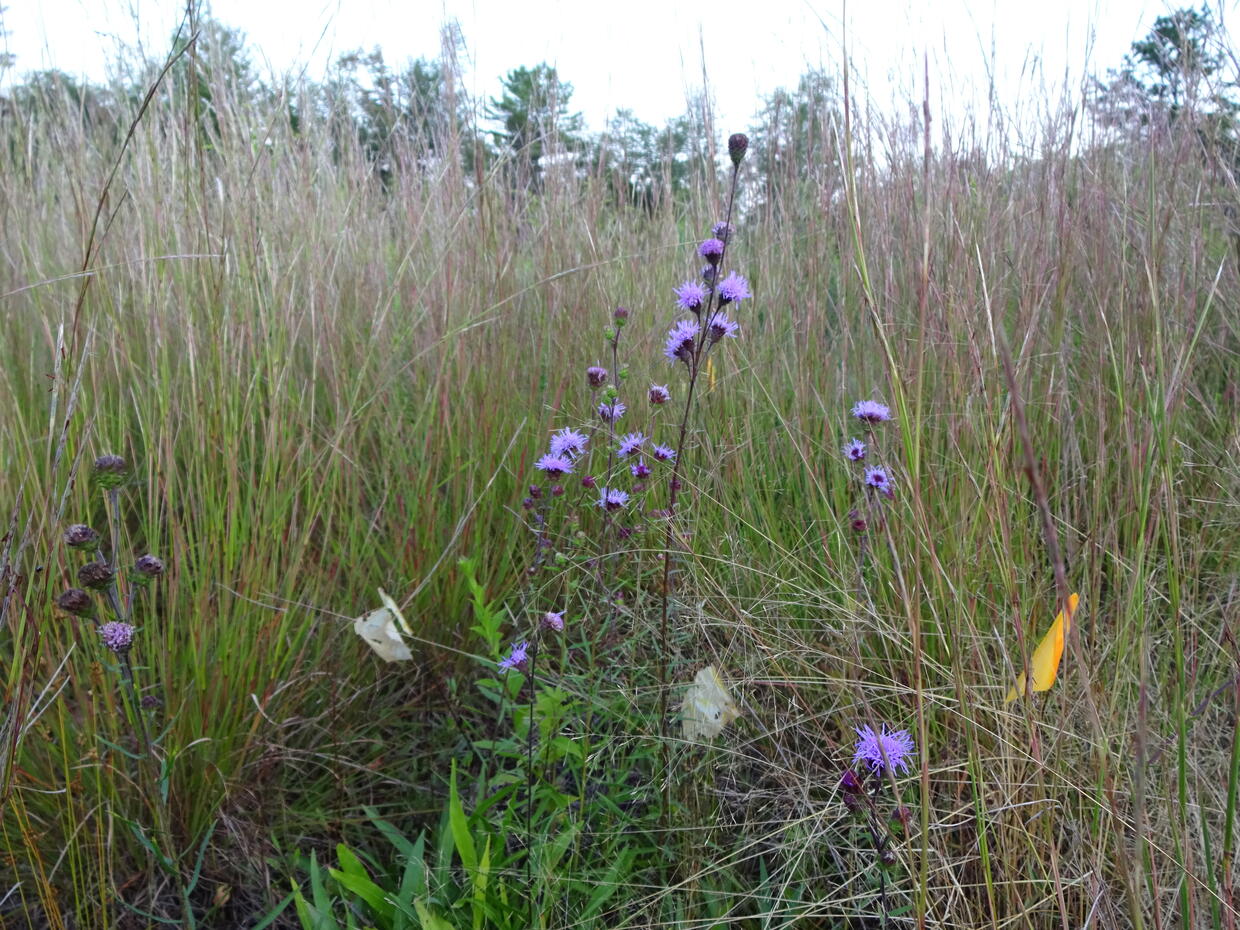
[643, 54]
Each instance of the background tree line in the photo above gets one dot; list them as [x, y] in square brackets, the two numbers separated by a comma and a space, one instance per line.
[417, 117]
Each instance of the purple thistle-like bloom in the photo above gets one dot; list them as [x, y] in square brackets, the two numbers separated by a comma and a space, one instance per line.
[631, 443]
[611, 411]
[664, 453]
[878, 479]
[886, 750]
[518, 656]
[855, 450]
[708, 273]
[711, 250]
[680, 340]
[721, 231]
[554, 465]
[117, 636]
[554, 619]
[596, 376]
[690, 296]
[659, 394]
[568, 442]
[721, 326]
[612, 498]
[733, 288]
[640, 469]
[871, 411]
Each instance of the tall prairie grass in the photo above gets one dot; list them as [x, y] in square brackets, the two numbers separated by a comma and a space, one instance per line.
[330, 382]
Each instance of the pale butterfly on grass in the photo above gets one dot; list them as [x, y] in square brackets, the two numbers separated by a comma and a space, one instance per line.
[379, 629]
[708, 707]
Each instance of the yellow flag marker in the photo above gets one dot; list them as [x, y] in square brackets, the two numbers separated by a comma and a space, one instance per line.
[1045, 661]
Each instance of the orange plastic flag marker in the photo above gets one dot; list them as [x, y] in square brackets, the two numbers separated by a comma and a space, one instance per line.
[1045, 661]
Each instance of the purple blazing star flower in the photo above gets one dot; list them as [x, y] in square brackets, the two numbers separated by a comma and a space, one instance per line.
[879, 480]
[568, 442]
[659, 394]
[612, 499]
[871, 411]
[721, 231]
[733, 288]
[611, 411]
[690, 296]
[721, 326]
[554, 465]
[517, 657]
[596, 376]
[640, 469]
[631, 443]
[117, 636]
[711, 250]
[886, 750]
[680, 340]
[664, 453]
[855, 450]
[554, 620]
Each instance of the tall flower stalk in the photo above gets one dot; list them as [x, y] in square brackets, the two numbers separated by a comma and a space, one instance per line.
[690, 342]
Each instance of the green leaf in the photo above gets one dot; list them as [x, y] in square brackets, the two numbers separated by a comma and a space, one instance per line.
[459, 825]
[429, 920]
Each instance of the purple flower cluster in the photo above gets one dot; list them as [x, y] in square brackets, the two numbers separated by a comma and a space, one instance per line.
[517, 656]
[680, 340]
[885, 750]
[116, 635]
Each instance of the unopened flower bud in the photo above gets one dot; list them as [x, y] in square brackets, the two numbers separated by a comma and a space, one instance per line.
[557, 490]
[587, 481]
[528, 503]
[621, 314]
[81, 536]
[738, 144]
[149, 565]
[77, 602]
[110, 471]
[95, 575]
[887, 859]
[850, 783]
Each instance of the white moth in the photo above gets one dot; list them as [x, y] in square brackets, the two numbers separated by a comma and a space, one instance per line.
[707, 707]
[379, 629]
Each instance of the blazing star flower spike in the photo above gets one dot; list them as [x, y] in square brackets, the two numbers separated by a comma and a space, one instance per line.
[640, 469]
[664, 453]
[554, 465]
[679, 344]
[855, 450]
[568, 442]
[871, 411]
[733, 289]
[631, 443]
[517, 656]
[884, 751]
[690, 296]
[612, 499]
[659, 394]
[611, 412]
